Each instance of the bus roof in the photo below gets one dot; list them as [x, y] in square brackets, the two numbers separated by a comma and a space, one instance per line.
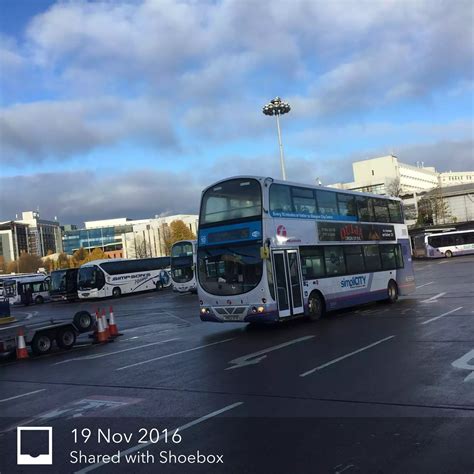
[191, 241]
[449, 232]
[102, 260]
[23, 278]
[302, 185]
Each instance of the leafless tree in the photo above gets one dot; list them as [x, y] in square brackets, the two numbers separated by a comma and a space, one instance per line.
[393, 187]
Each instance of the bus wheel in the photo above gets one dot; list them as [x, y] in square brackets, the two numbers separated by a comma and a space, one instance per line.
[448, 254]
[392, 292]
[39, 300]
[41, 344]
[116, 292]
[159, 286]
[315, 306]
[66, 338]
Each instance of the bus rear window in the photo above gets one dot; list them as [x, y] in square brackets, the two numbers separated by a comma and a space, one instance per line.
[231, 200]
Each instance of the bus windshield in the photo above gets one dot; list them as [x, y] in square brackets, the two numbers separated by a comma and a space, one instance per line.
[90, 277]
[182, 249]
[183, 274]
[58, 280]
[230, 270]
[231, 200]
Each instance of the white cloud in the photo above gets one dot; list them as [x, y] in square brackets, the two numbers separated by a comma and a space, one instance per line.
[54, 129]
[150, 70]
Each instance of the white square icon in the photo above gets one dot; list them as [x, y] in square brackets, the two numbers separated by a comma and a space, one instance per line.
[23, 457]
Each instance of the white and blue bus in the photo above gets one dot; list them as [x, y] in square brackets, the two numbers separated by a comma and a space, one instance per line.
[118, 276]
[270, 250]
[183, 265]
[444, 244]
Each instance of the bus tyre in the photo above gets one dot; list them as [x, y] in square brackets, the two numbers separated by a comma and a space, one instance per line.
[41, 343]
[116, 292]
[83, 321]
[315, 307]
[66, 338]
[392, 292]
[448, 254]
[39, 300]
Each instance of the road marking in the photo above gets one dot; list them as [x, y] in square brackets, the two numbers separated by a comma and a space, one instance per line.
[434, 298]
[441, 315]
[349, 466]
[244, 360]
[444, 261]
[98, 356]
[426, 284]
[22, 395]
[178, 429]
[462, 363]
[174, 316]
[174, 353]
[334, 361]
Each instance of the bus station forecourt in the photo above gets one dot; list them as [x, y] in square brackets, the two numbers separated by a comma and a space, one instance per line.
[365, 362]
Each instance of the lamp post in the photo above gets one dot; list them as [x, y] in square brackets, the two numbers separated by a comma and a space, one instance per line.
[276, 107]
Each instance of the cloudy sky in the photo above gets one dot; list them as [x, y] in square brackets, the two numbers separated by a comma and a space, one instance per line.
[130, 108]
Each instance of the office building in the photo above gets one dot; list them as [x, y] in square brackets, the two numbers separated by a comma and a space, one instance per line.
[13, 240]
[127, 238]
[43, 235]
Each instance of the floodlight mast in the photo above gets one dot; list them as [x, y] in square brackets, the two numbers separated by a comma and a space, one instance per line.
[277, 107]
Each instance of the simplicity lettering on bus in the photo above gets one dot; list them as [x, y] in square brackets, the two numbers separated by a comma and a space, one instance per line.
[337, 232]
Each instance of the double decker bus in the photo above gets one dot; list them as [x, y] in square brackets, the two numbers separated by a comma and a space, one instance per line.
[444, 244]
[114, 277]
[269, 250]
[183, 265]
[63, 285]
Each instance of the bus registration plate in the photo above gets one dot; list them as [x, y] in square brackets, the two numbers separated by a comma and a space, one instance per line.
[232, 317]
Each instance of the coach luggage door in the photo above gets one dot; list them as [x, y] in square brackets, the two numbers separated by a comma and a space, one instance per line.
[286, 265]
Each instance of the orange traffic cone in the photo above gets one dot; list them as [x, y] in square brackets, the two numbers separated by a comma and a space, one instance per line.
[113, 329]
[101, 335]
[21, 350]
[96, 330]
[105, 324]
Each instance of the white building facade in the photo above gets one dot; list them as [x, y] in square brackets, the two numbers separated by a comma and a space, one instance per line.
[387, 175]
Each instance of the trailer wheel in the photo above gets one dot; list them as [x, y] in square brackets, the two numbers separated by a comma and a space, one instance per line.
[83, 321]
[66, 338]
[41, 343]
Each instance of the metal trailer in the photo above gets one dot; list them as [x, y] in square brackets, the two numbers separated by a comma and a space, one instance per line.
[41, 336]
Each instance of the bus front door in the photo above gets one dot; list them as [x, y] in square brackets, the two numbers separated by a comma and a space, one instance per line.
[286, 266]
